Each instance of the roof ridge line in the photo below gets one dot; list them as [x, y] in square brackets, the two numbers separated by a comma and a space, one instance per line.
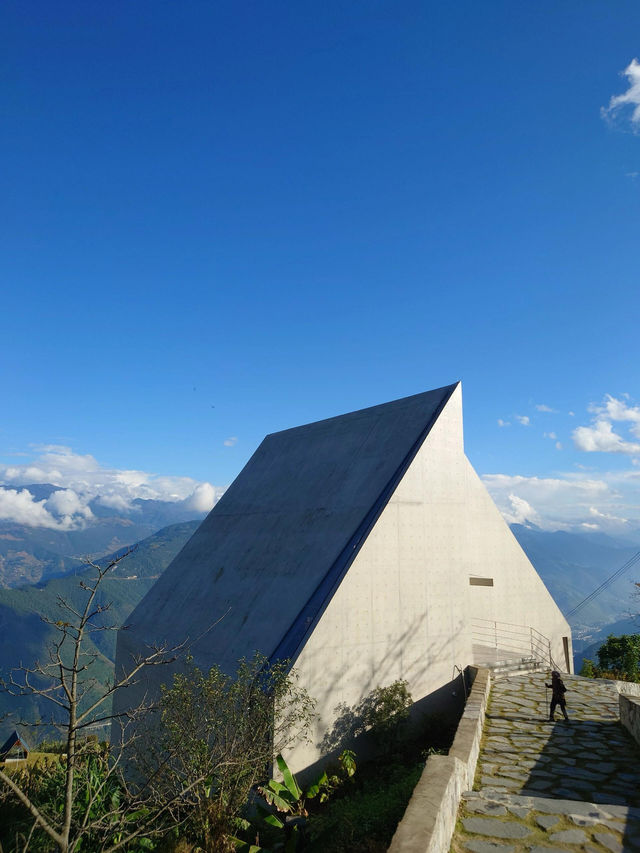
[451, 388]
[309, 615]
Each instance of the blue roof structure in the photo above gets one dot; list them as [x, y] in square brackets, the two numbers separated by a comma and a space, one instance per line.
[272, 552]
[14, 740]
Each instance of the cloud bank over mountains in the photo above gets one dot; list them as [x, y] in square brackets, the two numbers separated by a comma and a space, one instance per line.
[85, 483]
[570, 501]
[603, 496]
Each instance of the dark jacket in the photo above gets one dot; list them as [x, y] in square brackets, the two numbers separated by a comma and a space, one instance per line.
[558, 688]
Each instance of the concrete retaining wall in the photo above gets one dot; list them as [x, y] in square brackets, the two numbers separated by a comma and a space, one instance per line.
[630, 715]
[628, 687]
[430, 819]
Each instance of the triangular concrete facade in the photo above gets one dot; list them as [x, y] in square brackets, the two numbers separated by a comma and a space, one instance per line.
[407, 606]
[272, 551]
[361, 548]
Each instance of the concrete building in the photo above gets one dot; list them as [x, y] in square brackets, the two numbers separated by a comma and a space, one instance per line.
[14, 749]
[365, 549]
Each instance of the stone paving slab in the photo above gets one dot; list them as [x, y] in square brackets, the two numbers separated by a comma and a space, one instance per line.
[543, 787]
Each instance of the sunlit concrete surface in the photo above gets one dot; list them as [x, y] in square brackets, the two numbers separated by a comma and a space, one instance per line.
[350, 546]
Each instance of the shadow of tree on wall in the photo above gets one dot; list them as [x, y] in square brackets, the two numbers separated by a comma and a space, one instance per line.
[386, 721]
[438, 651]
[383, 713]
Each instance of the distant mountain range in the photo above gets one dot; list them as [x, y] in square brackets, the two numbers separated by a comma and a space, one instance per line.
[42, 565]
[572, 566]
[24, 637]
[34, 554]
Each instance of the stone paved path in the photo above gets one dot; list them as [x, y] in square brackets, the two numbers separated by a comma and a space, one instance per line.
[545, 787]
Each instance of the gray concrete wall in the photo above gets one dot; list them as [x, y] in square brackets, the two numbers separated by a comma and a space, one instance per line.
[269, 556]
[405, 607]
[395, 614]
[630, 688]
[518, 594]
[630, 715]
[430, 819]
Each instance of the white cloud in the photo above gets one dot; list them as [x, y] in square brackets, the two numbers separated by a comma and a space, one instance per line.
[551, 435]
[558, 445]
[20, 507]
[231, 442]
[520, 511]
[542, 408]
[617, 410]
[81, 479]
[570, 500]
[600, 435]
[594, 511]
[601, 438]
[524, 420]
[630, 98]
[67, 503]
[113, 501]
[544, 486]
[502, 423]
[203, 498]
[552, 503]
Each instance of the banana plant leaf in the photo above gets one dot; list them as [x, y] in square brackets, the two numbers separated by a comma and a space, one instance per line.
[244, 846]
[314, 788]
[280, 799]
[289, 778]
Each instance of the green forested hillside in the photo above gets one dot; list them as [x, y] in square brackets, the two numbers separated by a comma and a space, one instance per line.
[573, 565]
[33, 554]
[24, 637]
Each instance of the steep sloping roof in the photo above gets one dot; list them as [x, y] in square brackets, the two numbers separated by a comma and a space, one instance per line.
[13, 739]
[278, 543]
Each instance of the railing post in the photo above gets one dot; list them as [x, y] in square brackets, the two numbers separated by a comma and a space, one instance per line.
[531, 639]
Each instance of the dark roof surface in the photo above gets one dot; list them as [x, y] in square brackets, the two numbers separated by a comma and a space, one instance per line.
[276, 546]
[13, 738]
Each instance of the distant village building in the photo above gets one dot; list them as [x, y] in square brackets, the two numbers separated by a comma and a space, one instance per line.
[363, 548]
[14, 748]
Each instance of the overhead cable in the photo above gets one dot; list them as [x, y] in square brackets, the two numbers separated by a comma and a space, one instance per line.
[596, 592]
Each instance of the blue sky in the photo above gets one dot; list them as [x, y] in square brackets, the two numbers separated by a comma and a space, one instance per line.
[224, 219]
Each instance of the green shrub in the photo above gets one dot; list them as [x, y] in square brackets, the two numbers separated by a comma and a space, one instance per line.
[216, 736]
[588, 669]
[364, 820]
[621, 655]
[382, 713]
[618, 659]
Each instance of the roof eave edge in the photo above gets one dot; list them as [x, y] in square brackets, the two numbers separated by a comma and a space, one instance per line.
[305, 622]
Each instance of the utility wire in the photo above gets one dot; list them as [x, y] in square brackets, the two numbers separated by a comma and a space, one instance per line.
[596, 592]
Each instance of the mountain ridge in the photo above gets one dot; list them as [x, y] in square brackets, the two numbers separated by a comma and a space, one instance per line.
[24, 636]
[34, 554]
[571, 566]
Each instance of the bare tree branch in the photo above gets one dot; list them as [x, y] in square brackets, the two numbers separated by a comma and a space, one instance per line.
[88, 809]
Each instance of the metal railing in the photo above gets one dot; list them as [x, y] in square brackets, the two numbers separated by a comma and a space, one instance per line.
[508, 641]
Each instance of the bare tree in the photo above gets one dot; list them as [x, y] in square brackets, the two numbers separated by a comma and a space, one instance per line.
[97, 803]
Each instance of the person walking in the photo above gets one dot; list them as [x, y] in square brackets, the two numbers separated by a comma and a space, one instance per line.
[557, 696]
